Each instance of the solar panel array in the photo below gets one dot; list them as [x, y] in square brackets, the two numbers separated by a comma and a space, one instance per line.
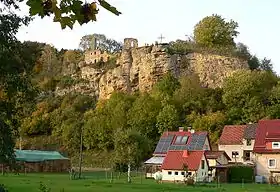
[178, 147]
[197, 142]
[163, 144]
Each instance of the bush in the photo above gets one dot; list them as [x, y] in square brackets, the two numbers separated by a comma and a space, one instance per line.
[3, 188]
[246, 176]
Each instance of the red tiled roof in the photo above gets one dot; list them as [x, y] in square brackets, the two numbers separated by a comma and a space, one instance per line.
[215, 154]
[175, 160]
[232, 135]
[267, 130]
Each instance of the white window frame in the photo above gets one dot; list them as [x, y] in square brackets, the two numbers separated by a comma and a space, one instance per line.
[271, 167]
[276, 147]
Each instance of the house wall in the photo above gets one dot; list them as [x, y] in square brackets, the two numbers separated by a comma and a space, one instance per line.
[240, 148]
[199, 175]
[262, 168]
[230, 148]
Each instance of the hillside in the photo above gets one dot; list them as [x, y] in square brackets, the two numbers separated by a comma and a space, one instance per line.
[139, 68]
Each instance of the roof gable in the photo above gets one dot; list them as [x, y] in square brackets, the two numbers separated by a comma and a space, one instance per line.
[216, 154]
[232, 135]
[180, 140]
[175, 160]
[267, 130]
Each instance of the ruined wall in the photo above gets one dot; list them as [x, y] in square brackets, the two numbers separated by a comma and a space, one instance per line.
[94, 56]
[139, 68]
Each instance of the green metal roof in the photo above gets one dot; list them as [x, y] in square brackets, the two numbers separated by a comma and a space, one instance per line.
[37, 156]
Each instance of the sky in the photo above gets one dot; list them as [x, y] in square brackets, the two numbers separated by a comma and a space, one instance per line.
[146, 20]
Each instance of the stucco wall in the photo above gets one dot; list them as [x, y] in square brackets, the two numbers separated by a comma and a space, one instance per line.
[230, 148]
[262, 168]
[240, 148]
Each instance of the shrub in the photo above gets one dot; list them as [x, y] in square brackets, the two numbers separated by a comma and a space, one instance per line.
[247, 175]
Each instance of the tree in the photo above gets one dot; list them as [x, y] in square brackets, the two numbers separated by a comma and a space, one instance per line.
[143, 115]
[67, 12]
[266, 64]
[15, 86]
[167, 119]
[213, 123]
[130, 148]
[214, 31]
[101, 42]
[246, 95]
[165, 88]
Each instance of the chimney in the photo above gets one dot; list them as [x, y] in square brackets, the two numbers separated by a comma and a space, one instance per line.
[181, 129]
[185, 153]
[189, 129]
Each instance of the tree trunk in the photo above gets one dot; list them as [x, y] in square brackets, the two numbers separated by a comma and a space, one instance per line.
[128, 173]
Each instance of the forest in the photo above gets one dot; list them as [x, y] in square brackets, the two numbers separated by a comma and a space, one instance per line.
[126, 127]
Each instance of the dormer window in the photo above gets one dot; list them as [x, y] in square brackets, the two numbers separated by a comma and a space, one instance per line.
[275, 145]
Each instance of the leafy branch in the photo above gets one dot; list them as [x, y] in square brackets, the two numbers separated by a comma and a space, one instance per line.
[67, 12]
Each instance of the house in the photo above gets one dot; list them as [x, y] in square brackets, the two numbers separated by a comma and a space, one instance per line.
[176, 140]
[179, 163]
[238, 142]
[41, 161]
[267, 148]
[216, 158]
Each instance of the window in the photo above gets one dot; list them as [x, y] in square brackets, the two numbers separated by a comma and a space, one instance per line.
[169, 173]
[202, 164]
[183, 173]
[235, 154]
[272, 163]
[248, 142]
[178, 140]
[181, 140]
[189, 173]
[176, 172]
[275, 145]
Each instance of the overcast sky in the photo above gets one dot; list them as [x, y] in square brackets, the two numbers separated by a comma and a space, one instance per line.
[146, 20]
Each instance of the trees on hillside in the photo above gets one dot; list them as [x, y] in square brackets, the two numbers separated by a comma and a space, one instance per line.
[101, 42]
[214, 31]
[15, 86]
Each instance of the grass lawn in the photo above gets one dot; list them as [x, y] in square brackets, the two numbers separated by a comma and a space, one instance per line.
[99, 183]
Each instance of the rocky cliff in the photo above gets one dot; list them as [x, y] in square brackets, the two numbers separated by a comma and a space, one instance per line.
[139, 68]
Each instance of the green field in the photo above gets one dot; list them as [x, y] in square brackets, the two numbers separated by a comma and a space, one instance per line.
[99, 183]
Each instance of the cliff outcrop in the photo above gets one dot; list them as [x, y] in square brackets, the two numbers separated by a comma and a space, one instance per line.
[139, 68]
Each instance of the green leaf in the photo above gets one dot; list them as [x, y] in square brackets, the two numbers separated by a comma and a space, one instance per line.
[110, 8]
[35, 7]
[66, 21]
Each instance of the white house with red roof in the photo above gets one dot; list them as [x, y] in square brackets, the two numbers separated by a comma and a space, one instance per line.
[175, 161]
[238, 142]
[267, 148]
[176, 141]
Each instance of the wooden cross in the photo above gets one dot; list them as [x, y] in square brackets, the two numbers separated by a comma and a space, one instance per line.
[161, 37]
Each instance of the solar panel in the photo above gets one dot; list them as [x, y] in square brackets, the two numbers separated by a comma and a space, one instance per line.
[164, 144]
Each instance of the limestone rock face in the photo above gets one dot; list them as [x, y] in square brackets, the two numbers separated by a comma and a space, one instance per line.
[139, 68]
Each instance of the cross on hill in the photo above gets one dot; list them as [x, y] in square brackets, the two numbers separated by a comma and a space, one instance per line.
[161, 37]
